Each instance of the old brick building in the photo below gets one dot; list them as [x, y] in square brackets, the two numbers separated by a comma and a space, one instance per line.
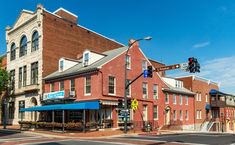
[222, 111]
[100, 76]
[35, 43]
[202, 88]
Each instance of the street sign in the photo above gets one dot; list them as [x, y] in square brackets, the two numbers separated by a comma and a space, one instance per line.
[170, 67]
[134, 104]
[184, 66]
[145, 73]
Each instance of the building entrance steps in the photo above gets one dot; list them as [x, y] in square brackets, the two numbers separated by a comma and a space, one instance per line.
[207, 126]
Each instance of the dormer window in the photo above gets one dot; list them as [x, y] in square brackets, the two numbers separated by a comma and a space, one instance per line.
[86, 59]
[61, 65]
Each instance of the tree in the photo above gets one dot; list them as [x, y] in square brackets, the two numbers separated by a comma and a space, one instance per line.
[3, 85]
[3, 80]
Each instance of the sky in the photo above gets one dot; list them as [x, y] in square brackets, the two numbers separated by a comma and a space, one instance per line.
[180, 29]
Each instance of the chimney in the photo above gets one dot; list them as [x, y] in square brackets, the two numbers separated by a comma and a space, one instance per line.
[131, 41]
[67, 15]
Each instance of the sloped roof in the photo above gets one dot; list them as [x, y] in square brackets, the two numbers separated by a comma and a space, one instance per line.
[177, 90]
[79, 68]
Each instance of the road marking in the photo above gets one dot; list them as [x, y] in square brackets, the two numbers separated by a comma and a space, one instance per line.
[187, 143]
[19, 138]
[140, 139]
[104, 142]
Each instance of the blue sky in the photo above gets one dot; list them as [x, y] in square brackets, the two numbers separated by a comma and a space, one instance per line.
[180, 29]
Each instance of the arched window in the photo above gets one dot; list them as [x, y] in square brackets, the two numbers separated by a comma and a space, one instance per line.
[23, 46]
[34, 41]
[13, 51]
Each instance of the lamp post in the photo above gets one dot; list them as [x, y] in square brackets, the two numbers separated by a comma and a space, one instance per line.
[125, 80]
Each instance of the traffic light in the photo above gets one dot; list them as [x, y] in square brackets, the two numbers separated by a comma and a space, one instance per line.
[120, 103]
[193, 65]
[128, 103]
[197, 65]
[150, 71]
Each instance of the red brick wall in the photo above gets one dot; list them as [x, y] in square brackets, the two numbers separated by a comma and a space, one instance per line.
[64, 39]
[183, 107]
[116, 68]
[67, 16]
[202, 87]
[157, 65]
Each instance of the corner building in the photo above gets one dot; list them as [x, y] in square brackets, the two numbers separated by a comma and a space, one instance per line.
[100, 76]
[35, 43]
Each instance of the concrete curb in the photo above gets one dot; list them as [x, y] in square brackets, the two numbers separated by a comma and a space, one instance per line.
[11, 130]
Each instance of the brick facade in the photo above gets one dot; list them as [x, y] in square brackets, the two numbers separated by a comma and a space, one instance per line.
[62, 38]
[115, 68]
[202, 88]
[58, 36]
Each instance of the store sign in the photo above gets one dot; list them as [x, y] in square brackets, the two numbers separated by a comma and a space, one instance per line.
[53, 95]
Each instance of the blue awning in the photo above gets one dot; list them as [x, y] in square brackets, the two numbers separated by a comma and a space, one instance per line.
[91, 105]
[214, 92]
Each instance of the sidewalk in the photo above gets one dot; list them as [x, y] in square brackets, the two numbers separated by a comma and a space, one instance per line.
[72, 134]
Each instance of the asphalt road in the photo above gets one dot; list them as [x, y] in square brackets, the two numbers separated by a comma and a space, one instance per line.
[191, 138]
[171, 139]
[74, 142]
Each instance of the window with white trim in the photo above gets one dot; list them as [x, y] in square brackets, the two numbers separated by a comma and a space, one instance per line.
[145, 90]
[181, 99]
[112, 85]
[186, 100]
[155, 91]
[155, 112]
[174, 99]
[128, 62]
[144, 65]
[61, 85]
[166, 98]
[72, 85]
[52, 87]
[199, 114]
[88, 85]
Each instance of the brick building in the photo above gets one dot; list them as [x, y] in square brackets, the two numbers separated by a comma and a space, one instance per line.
[179, 105]
[222, 111]
[35, 43]
[100, 76]
[202, 88]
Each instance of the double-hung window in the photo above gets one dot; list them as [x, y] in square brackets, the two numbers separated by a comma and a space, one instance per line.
[145, 90]
[128, 62]
[112, 85]
[24, 75]
[155, 91]
[34, 73]
[20, 78]
[88, 85]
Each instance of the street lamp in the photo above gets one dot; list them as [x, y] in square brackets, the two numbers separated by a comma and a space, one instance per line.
[125, 80]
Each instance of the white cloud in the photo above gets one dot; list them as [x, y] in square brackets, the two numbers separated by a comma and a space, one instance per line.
[220, 70]
[201, 45]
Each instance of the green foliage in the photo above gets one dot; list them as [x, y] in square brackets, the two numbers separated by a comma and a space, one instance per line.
[3, 80]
